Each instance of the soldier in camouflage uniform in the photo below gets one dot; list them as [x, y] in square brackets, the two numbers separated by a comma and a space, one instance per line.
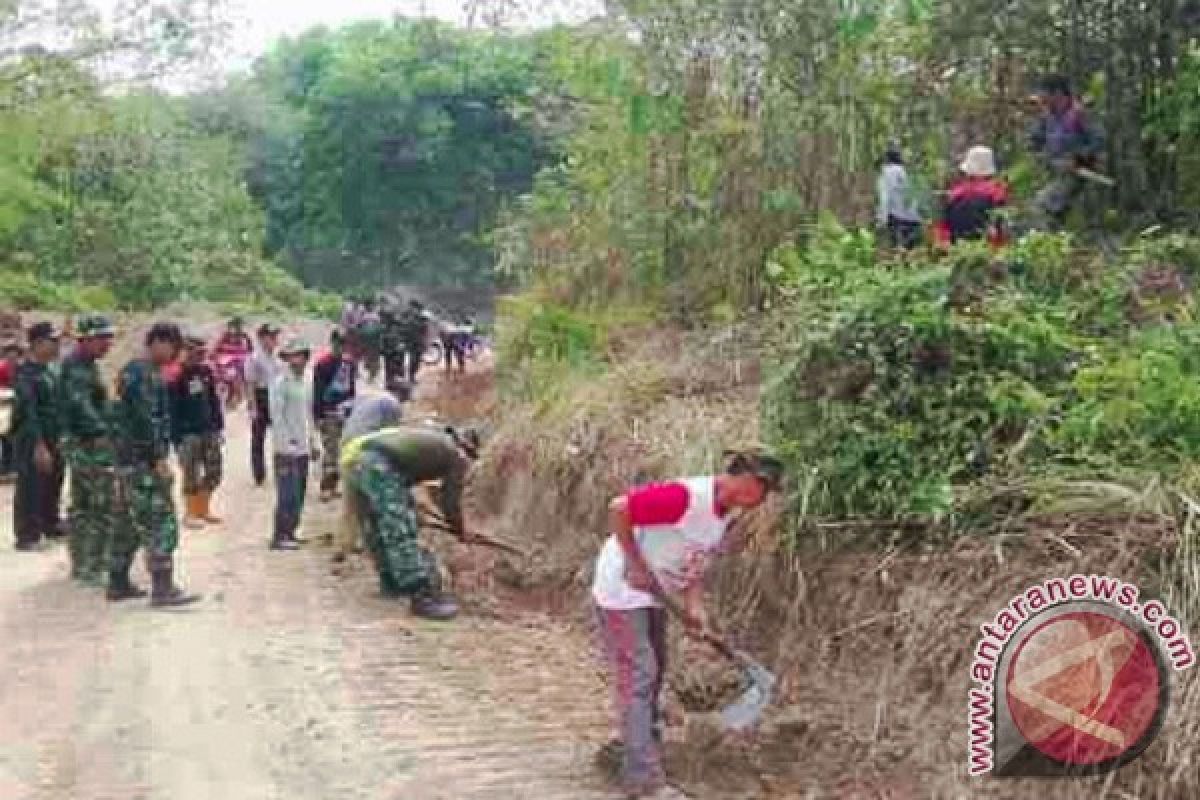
[37, 442]
[85, 423]
[381, 468]
[142, 420]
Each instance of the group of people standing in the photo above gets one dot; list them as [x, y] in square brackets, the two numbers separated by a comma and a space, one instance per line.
[116, 446]
[1062, 138]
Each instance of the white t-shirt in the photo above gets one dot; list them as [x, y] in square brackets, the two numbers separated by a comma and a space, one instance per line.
[679, 545]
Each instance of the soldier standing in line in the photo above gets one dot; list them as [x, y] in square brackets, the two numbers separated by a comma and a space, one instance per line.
[86, 424]
[142, 419]
[37, 441]
[197, 430]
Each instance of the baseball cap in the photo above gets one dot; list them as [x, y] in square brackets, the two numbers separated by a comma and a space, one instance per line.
[294, 346]
[43, 331]
[94, 326]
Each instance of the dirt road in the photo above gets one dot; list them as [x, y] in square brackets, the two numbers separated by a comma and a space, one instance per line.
[286, 682]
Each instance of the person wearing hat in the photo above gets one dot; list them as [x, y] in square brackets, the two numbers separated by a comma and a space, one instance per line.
[37, 443]
[261, 371]
[663, 538]
[142, 420]
[971, 202]
[334, 385]
[381, 470]
[197, 431]
[85, 420]
[294, 439]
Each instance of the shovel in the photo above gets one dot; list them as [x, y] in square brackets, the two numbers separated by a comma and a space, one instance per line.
[744, 713]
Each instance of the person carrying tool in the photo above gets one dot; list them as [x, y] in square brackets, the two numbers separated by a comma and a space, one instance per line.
[334, 386]
[37, 442]
[85, 419]
[261, 372]
[663, 539]
[294, 440]
[198, 432]
[382, 468]
[142, 422]
[1065, 141]
[369, 414]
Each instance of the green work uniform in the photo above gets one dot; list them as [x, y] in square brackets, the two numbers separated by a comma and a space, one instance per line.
[143, 423]
[86, 425]
[36, 423]
[381, 469]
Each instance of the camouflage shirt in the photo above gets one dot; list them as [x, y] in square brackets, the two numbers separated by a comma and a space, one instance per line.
[84, 411]
[142, 416]
[35, 412]
[425, 455]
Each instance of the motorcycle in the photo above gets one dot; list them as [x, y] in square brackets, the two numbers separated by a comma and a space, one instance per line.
[231, 378]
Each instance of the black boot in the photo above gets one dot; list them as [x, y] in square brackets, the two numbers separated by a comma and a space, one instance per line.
[428, 604]
[121, 588]
[166, 594]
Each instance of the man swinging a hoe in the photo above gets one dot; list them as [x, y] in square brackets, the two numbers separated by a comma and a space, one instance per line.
[381, 469]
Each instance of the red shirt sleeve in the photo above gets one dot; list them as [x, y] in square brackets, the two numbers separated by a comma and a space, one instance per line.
[658, 504]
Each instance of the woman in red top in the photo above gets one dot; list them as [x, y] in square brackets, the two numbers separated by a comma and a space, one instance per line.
[970, 203]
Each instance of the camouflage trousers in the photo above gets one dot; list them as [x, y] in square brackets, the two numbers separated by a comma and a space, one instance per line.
[331, 440]
[200, 462]
[94, 512]
[153, 524]
[388, 519]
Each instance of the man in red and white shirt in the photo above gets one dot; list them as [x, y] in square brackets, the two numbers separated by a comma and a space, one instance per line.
[664, 539]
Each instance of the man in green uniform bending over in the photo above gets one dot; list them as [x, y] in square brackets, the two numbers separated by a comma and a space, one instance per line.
[86, 424]
[142, 419]
[381, 469]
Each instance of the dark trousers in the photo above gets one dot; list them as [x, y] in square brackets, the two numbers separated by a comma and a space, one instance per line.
[291, 485]
[904, 233]
[7, 456]
[36, 501]
[258, 436]
[454, 350]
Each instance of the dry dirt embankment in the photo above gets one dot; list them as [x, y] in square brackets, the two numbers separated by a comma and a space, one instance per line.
[874, 645]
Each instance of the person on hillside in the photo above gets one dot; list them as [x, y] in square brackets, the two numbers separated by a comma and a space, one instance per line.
[294, 440]
[382, 468]
[455, 340]
[663, 539]
[85, 419]
[369, 335]
[37, 442]
[369, 414]
[898, 213]
[971, 203]
[142, 421]
[334, 387]
[10, 362]
[1065, 140]
[198, 432]
[261, 372]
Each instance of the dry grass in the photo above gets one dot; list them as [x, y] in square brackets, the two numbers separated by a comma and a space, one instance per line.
[873, 647]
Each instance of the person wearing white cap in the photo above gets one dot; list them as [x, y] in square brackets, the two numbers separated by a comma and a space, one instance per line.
[970, 203]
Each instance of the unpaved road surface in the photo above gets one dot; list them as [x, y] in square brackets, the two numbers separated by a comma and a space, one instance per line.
[286, 682]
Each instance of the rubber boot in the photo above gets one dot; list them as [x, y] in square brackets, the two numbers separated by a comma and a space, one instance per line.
[165, 594]
[204, 506]
[192, 518]
[434, 606]
[120, 587]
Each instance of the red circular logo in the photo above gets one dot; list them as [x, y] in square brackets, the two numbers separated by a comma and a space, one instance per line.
[1085, 688]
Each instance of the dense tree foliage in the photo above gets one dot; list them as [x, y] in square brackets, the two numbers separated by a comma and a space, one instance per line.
[389, 147]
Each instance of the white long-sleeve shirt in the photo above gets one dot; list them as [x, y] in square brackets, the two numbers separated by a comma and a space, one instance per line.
[290, 401]
[896, 195]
